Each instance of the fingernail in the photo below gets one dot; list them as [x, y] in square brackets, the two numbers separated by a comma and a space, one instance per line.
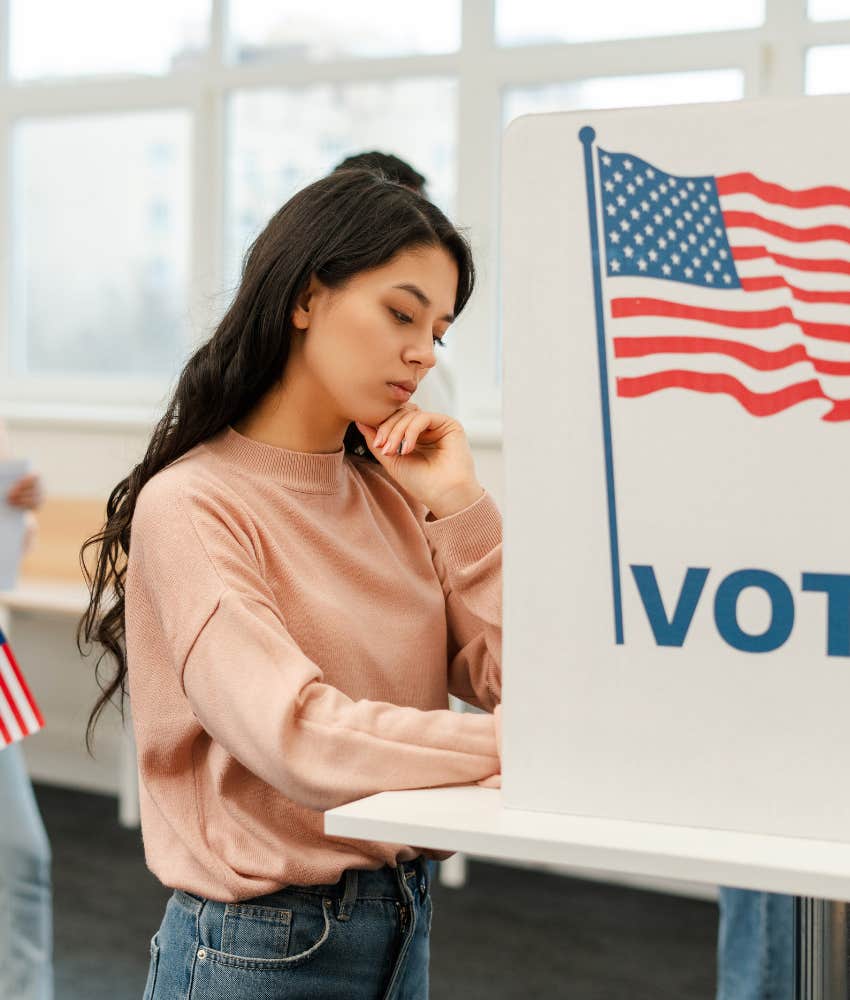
[378, 441]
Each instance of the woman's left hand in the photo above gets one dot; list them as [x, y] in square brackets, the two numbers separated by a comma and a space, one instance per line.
[435, 464]
[26, 493]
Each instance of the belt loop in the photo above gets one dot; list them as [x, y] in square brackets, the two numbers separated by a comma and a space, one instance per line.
[349, 896]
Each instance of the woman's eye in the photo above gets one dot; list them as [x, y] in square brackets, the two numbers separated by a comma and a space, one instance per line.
[401, 317]
[439, 341]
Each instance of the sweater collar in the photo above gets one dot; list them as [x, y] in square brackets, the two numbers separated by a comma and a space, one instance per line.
[310, 472]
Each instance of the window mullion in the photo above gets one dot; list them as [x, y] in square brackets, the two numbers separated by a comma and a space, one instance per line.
[473, 358]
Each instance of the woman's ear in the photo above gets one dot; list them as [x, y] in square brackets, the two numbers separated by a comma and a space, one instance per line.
[304, 304]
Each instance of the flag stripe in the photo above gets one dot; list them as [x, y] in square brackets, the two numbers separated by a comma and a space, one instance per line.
[776, 194]
[5, 735]
[794, 234]
[803, 294]
[834, 266]
[639, 347]
[758, 404]
[23, 685]
[755, 320]
[12, 704]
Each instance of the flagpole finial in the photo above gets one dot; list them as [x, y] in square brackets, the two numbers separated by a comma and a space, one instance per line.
[587, 134]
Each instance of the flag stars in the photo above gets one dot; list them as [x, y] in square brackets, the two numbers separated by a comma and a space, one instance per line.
[727, 278]
[615, 265]
[716, 265]
[723, 254]
[653, 195]
[628, 164]
[645, 205]
[615, 237]
[625, 225]
[667, 211]
[609, 186]
[628, 252]
[689, 272]
[662, 243]
[638, 239]
[666, 269]
[635, 214]
[650, 173]
[639, 180]
[611, 209]
[709, 277]
[621, 200]
[606, 159]
[631, 188]
[642, 264]
[658, 218]
[653, 255]
[618, 176]
[649, 230]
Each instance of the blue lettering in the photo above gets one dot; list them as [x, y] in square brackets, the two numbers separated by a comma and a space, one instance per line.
[726, 611]
[669, 632]
[836, 586]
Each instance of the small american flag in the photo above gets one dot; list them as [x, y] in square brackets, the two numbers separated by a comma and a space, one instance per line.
[726, 284]
[19, 714]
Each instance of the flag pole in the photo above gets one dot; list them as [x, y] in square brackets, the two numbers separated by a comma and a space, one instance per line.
[586, 136]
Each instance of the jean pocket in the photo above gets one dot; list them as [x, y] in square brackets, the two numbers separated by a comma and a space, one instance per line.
[150, 985]
[308, 927]
[255, 931]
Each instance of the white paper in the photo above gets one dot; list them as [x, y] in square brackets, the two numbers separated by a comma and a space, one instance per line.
[12, 523]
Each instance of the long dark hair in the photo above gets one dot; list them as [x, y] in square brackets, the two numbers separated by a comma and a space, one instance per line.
[346, 223]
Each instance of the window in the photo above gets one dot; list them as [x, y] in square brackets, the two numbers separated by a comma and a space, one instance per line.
[292, 31]
[530, 22]
[280, 140]
[145, 155]
[828, 70]
[100, 244]
[50, 39]
[829, 10]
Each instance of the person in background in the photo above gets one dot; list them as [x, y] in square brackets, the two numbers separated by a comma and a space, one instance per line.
[26, 912]
[391, 166]
[755, 945]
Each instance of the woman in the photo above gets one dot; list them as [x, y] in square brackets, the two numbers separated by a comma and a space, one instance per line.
[26, 910]
[311, 568]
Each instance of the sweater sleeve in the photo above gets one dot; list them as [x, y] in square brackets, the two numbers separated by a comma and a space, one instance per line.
[258, 694]
[467, 551]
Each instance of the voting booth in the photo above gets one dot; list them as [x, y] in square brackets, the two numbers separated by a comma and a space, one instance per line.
[676, 329]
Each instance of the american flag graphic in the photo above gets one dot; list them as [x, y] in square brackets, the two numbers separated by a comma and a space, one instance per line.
[19, 714]
[726, 284]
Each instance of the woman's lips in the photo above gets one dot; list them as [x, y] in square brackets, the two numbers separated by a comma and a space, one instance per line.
[399, 392]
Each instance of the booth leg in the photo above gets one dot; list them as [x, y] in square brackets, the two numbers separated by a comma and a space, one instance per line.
[821, 958]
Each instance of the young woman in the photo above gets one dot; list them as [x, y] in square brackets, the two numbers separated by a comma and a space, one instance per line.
[311, 567]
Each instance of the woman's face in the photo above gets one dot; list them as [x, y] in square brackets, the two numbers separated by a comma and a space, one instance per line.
[353, 342]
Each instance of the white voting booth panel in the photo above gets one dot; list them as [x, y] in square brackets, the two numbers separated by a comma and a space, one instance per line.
[676, 611]
[676, 639]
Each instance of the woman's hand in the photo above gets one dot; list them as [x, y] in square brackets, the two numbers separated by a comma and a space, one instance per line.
[435, 463]
[26, 493]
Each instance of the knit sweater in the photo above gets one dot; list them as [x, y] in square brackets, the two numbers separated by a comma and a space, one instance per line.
[294, 624]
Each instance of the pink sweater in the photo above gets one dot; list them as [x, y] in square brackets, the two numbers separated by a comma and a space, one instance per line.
[295, 622]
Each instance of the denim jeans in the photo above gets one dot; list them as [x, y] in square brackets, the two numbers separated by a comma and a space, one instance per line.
[26, 915]
[365, 937]
[755, 947]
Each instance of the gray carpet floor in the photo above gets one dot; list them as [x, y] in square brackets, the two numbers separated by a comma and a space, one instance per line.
[510, 933]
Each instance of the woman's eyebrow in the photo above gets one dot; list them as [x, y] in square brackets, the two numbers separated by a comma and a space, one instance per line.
[423, 298]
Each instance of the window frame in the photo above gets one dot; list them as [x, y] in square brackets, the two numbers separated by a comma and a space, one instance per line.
[771, 57]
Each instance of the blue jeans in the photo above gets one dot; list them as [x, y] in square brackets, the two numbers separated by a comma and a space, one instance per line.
[366, 937]
[26, 914]
[755, 947]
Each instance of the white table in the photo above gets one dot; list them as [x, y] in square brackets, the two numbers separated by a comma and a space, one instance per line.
[471, 819]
